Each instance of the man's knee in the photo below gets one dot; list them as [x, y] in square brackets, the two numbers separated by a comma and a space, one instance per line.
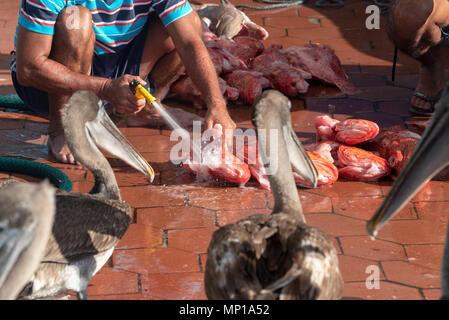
[74, 26]
[408, 23]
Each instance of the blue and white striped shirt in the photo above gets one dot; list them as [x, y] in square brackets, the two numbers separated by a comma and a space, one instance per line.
[115, 22]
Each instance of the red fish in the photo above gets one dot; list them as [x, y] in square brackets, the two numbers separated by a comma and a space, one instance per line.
[396, 144]
[249, 154]
[322, 63]
[249, 84]
[350, 131]
[327, 172]
[359, 164]
[274, 65]
[219, 163]
[185, 90]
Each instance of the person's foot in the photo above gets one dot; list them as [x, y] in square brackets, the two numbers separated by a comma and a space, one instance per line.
[57, 145]
[151, 118]
[431, 82]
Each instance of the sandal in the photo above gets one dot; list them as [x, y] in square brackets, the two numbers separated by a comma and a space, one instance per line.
[425, 112]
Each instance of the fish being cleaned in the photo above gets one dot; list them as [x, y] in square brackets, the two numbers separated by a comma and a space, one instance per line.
[359, 164]
[350, 131]
[217, 162]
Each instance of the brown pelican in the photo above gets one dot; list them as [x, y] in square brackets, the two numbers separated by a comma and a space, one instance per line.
[429, 158]
[277, 256]
[86, 227]
[27, 211]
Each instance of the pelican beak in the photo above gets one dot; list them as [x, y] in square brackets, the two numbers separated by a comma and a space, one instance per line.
[430, 157]
[299, 159]
[108, 137]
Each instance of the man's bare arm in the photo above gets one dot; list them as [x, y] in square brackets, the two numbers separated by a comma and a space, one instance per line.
[200, 68]
[35, 68]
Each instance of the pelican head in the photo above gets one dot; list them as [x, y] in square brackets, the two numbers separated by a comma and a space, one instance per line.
[429, 158]
[87, 126]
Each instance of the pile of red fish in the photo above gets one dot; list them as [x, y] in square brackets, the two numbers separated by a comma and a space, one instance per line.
[354, 149]
[245, 68]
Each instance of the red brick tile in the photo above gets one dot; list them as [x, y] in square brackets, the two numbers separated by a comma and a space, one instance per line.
[364, 208]
[36, 126]
[175, 217]
[231, 216]
[351, 189]
[355, 269]
[156, 143]
[356, 108]
[139, 131]
[130, 177]
[364, 247]
[82, 186]
[384, 93]
[292, 22]
[152, 196]
[159, 260]
[410, 274]
[193, 240]
[276, 32]
[394, 107]
[429, 256]
[413, 231]
[203, 260]
[315, 203]
[386, 291]
[109, 281]
[152, 157]
[177, 176]
[314, 35]
[4, 175]
[336, 225]
[228, 198]
[432, 294]
[174, 286]
[8, 124]
[24, 178]
[141, 236]
[437, 212]
[132, 296]
[313, 12]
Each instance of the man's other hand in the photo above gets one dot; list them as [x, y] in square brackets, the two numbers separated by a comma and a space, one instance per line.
[218, 114]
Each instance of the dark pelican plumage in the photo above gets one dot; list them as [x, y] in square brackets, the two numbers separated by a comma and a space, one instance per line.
[429, 158]
[27, 212]
[86, 227]
[276, 256]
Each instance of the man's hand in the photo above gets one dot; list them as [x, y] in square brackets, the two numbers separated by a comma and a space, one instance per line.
[218, 114]
[119, 95]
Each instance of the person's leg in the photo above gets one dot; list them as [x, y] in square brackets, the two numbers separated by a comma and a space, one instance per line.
[162, 64]
[74, 49]
[414, 27]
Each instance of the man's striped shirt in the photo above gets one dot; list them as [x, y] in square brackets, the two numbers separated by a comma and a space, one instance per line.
[115, 22]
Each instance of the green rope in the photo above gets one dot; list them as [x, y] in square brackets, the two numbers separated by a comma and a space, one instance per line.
[36, 169]
[12, 101]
